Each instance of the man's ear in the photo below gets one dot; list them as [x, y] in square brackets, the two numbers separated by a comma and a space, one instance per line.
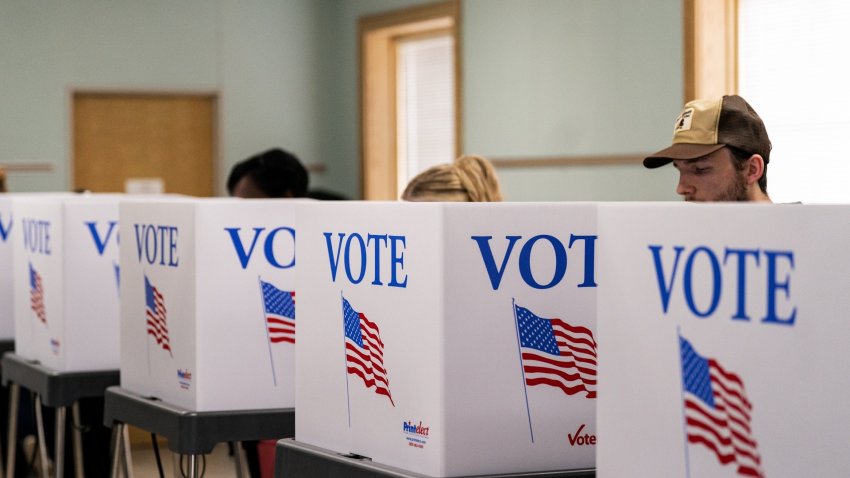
[755, 168]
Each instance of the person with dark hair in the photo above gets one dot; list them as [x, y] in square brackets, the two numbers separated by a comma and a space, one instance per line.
[721, 150]
[271, 174]
[2, 180]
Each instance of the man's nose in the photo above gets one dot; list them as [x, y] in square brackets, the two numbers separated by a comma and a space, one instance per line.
[685, 187]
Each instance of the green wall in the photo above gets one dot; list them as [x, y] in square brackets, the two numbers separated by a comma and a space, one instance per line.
[541, 78]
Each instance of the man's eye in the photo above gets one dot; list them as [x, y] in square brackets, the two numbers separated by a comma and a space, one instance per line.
[701, 170]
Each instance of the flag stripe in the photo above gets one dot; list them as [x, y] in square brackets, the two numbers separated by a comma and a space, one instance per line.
[718, 412]
[556, 354]
[37, 295]
[156, 316]
[364, 350]
[279, 306]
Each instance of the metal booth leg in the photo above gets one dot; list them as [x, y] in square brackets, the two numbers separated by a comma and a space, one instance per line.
[117, 448]
[193, 467]
[127, 455]
[78, 440]
[239, 455]
[14, 405]
[59, 452]
[42, 444]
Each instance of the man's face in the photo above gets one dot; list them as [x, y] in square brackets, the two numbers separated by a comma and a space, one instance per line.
[711, 178]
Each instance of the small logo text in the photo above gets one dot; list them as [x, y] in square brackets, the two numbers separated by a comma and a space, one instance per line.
[581, 440]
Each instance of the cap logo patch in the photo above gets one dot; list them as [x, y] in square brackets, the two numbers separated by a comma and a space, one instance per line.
[683, 122]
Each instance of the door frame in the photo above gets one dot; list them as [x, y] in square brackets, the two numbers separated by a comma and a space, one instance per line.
[377, 88]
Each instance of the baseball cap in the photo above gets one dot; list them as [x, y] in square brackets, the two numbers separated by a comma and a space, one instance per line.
[705, 126]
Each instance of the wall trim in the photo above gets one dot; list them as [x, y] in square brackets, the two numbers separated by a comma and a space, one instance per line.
[21, 167]
[566, 161]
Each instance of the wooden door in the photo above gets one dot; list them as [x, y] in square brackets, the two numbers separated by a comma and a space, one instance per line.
[124, 136]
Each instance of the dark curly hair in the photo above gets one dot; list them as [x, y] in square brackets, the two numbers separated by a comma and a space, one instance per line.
[276, 172]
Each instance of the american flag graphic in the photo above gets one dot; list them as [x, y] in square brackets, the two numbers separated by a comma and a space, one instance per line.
[37, 295]
[280, 313]
[155, 311]
[556, 353]
[364, 350]
[717, 411]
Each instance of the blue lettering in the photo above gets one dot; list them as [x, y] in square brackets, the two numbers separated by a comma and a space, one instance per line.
[36, 236]
[665, 286]
[589, 258]
[741, 254]
[269, 248]
[348, 258]
[241, 254]
[776, 282]
[334, 260]
[493, 272]
[151, 244]
[139, 240]
[99, 244]
[715, 269]
[172, 251]
[525, 262]
[377, 238]
[5, 230]
[397, 261]
[773, 285]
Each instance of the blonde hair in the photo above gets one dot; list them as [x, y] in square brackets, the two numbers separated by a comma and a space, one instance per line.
[468, 179]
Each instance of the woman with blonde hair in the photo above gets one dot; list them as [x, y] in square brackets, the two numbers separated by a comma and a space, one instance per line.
[469, 178]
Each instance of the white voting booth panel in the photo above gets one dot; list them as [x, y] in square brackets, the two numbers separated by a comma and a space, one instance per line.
[7, 312]
[723, 333]
[208, 302]
[66, 275]
[448, 339]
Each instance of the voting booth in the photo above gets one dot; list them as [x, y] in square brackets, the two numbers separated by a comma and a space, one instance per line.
[7, 311]
[208, 302]
[65, 280]
[723, 332]
[448, 339]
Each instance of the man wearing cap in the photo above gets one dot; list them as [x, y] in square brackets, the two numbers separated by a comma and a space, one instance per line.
[721, 150]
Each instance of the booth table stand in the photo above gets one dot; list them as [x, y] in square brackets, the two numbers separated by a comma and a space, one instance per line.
[7, 345]
[188, 432]
[294, 460]
[53, 389]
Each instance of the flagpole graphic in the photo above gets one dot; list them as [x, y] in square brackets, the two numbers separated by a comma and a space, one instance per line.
[345, 360]
[684, 416]
[522, 368]
[266, 328]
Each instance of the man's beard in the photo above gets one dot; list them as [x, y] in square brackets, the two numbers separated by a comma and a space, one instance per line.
[737, 191]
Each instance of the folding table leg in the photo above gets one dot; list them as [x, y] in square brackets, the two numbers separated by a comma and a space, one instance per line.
[42, 444]
[117, 448]
[127, 455]
[239, 454]
[59, 452]
[78, 440]
[14, 405]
